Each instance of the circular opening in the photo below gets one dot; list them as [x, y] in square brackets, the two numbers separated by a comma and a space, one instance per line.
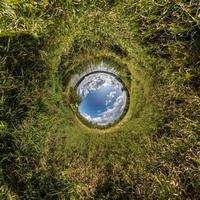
[103, 98]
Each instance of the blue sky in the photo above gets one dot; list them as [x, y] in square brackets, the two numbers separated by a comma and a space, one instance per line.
[103, 98]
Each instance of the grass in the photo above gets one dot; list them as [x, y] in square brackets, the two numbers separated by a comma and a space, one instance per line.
[47, 153]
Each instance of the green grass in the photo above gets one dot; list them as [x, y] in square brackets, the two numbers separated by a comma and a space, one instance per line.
[46, 152]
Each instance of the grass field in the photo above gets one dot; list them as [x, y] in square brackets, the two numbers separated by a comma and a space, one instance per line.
[46, 152]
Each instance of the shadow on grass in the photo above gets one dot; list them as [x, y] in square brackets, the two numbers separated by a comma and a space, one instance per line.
[23, 74]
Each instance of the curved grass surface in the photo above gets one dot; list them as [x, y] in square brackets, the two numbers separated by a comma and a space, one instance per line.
[46, 152]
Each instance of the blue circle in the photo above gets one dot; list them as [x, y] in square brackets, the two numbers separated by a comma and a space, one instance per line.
[103, 98]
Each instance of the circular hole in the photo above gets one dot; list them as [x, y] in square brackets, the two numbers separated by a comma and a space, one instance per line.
[103, 98]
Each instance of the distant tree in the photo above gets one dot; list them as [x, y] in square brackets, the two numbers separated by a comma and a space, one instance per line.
[75, 98]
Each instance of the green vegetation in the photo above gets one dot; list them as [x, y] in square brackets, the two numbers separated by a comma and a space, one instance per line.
[47, 153]
[75, 99]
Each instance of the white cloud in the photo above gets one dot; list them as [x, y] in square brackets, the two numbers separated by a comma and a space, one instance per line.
[95, 81]
[110, 96]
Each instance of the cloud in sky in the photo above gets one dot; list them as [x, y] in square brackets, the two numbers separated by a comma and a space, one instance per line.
[95, 81]
[110, 96]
